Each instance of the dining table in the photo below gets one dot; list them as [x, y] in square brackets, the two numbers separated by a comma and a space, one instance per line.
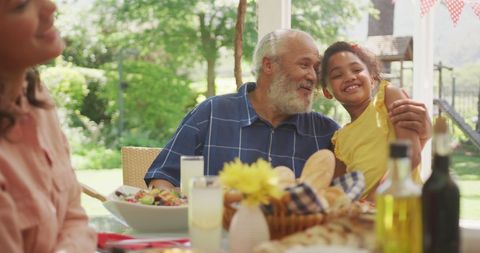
[108, 224]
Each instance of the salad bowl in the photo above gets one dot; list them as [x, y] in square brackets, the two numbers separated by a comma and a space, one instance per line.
[146, 218]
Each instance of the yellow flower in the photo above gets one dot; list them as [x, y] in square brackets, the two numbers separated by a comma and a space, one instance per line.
[257, 182]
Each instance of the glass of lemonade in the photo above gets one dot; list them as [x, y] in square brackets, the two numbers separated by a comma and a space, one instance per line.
[205, 211]
[190, 166]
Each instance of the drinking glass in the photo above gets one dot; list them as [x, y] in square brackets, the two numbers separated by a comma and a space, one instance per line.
[190, 166]
[205, 211]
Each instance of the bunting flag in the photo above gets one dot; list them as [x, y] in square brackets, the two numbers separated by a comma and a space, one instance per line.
[455, 7]
[476, 8]
[426, 5]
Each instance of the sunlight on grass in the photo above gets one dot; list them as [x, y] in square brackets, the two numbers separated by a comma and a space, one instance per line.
[470, 199]
[465, 168]
[466, 164]
[104, 181]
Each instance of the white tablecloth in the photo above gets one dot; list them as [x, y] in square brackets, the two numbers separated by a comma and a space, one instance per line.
[470, 234]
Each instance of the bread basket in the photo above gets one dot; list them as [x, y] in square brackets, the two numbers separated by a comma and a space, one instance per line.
[280, 222]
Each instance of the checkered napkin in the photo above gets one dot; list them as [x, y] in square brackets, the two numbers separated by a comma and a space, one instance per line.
[305, 201]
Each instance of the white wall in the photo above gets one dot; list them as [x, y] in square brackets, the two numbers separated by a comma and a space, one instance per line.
[272, 15]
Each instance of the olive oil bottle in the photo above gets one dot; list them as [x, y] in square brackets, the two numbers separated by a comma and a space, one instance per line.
[398, 224]
[441, 198]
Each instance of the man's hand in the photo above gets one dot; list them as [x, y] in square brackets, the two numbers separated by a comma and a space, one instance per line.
[412, 115]
[161, 184]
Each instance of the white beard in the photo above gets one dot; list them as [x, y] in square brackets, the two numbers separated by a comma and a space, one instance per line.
[284, 97]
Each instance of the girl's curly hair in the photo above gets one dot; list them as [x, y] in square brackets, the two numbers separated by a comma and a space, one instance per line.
[366, 56]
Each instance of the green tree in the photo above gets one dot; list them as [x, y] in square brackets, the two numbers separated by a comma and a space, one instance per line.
[68, 88]
[180, 33]
[327, 20]
[151, 115]
[86, 42]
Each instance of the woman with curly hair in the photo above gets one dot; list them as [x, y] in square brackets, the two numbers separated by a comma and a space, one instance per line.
[40, 207]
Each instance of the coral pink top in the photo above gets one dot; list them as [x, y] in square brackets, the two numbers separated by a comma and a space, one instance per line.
[40, 207]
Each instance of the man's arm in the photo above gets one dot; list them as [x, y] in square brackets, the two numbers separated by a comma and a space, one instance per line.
[393, 94]
[187, 140]
[161, 184]
[412, 115]
[165, 169]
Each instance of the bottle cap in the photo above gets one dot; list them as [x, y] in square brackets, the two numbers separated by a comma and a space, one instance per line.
[441, 138]
[399, 149]
[440, 126]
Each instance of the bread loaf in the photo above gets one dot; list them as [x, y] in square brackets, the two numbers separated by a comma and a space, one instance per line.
[336, 197]
[318, 170]
[286, 176]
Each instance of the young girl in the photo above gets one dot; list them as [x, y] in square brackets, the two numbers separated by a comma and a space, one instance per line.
[40, 207]
[351, 75]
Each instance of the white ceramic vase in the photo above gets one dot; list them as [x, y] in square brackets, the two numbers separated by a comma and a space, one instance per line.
[248, 228]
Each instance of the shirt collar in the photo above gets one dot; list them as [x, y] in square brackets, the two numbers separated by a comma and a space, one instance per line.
[249, 113]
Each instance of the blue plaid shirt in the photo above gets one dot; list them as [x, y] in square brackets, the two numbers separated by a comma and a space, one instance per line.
[225, 127]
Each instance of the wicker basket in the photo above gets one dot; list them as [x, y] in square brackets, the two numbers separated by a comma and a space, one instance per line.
[280, 222]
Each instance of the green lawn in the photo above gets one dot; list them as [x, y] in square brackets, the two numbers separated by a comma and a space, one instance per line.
[465, 168]
[104, 181]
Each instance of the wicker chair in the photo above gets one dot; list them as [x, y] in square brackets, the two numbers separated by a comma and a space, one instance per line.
[135, 163]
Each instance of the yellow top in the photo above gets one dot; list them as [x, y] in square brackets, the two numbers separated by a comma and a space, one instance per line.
[363, 144]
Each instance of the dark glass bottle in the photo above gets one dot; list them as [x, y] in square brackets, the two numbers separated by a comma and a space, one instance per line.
[441, 199]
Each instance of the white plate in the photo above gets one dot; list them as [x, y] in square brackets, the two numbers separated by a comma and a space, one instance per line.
[145, 218]
[328, 249]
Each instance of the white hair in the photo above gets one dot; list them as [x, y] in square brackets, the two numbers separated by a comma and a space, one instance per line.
[269, 46]
[266, 47]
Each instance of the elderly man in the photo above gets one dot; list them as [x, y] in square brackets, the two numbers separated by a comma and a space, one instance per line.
[269, 119]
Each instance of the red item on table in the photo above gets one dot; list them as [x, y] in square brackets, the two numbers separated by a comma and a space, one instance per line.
[112, 240]
[104, 238]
